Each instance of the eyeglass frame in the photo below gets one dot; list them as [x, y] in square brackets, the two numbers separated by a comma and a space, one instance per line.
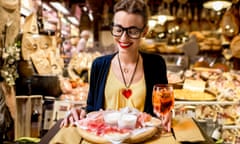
[125, 29]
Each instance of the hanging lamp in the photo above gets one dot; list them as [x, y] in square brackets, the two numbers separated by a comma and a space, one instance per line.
[217, 5]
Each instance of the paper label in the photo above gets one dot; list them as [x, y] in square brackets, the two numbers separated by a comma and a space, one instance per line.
[194, 85]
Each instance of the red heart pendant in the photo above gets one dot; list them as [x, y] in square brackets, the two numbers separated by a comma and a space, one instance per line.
[127, 93]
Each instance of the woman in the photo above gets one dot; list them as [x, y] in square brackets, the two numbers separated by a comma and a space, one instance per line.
[125, 78]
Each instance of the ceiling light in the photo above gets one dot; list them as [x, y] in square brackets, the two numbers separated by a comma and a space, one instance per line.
[25, 11]
[163, 16]
[64, 21]
[152, 23]
[90, 15]
[73, 20]
[46, 7]
[58, 6]
[217, 5]
[85, 8]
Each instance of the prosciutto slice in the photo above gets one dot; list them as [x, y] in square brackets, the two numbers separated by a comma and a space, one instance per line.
[94, 123]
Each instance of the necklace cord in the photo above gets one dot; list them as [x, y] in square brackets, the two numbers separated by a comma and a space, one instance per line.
[135, 69]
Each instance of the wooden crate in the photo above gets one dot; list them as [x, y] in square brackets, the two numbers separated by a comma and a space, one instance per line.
[26, 105]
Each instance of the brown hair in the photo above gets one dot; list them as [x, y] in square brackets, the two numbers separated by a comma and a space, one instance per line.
[133, 6]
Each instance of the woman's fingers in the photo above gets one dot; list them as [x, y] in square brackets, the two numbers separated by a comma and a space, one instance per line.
[71, 120]
[167, 121]
[157, 113]
[75, 114]
[64, 123]
[83, 114]
[72, 116]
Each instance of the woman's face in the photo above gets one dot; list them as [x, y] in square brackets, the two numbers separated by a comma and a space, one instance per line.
[123, 20]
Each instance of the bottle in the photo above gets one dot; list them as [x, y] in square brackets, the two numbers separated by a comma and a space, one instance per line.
[217, 133]
[35, 123]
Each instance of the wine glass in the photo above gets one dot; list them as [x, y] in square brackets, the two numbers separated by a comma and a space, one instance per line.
[162, 99]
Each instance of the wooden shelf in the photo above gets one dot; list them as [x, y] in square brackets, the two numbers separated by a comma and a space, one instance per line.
[206, 102]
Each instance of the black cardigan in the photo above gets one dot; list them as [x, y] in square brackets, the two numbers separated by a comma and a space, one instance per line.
[154, 71]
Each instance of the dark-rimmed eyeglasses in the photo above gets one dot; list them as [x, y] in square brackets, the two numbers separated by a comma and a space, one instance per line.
[132, 32]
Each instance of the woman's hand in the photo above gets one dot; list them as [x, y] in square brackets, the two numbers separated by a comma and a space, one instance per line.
[73, 115]
[166, 121]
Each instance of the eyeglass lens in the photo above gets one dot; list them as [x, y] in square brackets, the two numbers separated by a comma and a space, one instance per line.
[132, 32]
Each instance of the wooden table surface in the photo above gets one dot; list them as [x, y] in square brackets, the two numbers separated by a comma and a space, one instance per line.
[53, 131]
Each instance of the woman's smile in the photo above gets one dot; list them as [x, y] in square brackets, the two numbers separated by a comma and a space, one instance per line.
[124, 45]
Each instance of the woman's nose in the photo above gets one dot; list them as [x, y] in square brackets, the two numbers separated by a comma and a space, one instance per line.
[124, 35]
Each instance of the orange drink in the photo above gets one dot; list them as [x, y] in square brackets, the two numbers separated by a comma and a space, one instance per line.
[162, 99]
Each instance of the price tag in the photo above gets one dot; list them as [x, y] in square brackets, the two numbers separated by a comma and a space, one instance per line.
[194, 85]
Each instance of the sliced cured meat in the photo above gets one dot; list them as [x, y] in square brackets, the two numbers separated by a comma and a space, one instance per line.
[95, 129]
[96, 124]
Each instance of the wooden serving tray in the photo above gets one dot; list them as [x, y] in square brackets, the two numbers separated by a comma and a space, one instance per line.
[142, 135]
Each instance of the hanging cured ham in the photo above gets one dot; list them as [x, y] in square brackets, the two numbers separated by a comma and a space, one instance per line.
[230, 23]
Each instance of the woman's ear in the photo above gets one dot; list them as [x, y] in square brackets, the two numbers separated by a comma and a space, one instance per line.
[145, 31]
